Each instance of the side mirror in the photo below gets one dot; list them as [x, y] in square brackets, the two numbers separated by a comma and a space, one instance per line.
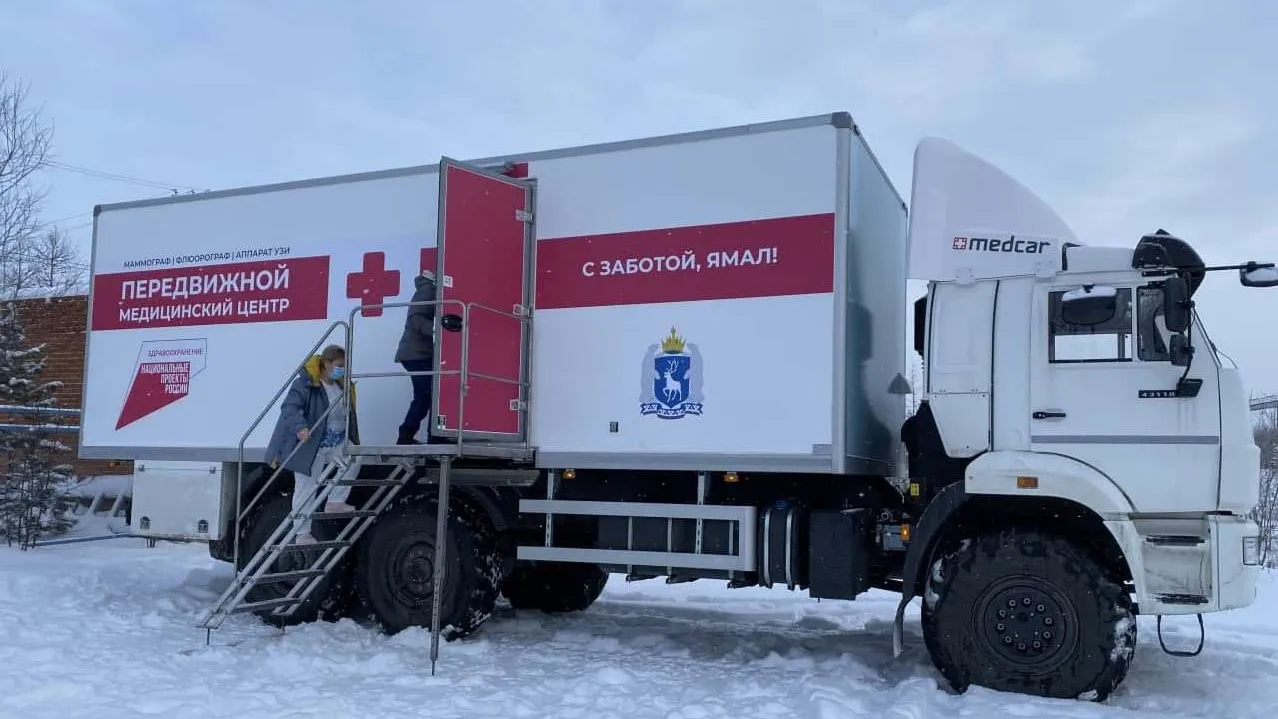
[1180, 351]
[1089, 305]
[451, 323]
[1256, 276]
[1176, 304]
[920, 326]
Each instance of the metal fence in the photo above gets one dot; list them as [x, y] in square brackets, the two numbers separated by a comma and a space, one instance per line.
[11, 409]
[1266, 402]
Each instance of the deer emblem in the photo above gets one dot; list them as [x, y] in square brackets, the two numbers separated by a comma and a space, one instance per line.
[671, 379]
[673, 390]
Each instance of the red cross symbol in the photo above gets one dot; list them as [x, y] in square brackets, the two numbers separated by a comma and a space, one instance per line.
[372, 285]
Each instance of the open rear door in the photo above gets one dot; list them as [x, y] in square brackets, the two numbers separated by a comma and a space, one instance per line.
[484, 261]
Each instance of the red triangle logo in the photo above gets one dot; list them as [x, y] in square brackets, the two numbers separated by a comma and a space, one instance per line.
[155, 386]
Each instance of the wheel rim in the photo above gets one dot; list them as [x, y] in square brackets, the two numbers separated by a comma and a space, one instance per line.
[1025, 623]
[411, 568]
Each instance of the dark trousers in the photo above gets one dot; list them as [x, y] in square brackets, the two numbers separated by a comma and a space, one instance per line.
[419, 409]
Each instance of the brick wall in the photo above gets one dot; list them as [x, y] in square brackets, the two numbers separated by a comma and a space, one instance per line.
[59, 324]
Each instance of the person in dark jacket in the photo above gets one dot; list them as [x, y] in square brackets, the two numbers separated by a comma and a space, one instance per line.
[316, 387]
[416, 353]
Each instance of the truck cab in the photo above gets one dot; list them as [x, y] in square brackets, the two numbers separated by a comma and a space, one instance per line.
[1073, 400]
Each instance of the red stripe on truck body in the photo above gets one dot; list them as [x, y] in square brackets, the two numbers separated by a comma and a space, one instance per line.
[733, 260]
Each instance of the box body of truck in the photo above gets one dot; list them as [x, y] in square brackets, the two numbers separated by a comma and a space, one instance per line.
[725, 298]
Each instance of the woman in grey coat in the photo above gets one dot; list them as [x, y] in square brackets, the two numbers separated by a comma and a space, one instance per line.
[316, 387]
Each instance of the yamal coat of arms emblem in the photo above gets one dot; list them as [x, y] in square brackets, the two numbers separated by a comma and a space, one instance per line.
[672, 376]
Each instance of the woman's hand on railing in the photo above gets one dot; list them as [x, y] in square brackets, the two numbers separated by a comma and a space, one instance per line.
[304, 434]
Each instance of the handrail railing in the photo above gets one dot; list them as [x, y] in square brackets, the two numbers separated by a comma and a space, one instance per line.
[240, 510]
[278, 470]
[463, 371]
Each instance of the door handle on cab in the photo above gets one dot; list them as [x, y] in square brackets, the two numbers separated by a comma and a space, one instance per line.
[1048, 414]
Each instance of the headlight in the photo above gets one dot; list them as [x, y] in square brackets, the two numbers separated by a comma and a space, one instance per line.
[1251, 551]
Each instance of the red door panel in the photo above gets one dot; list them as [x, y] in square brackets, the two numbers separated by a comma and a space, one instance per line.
[482, 261]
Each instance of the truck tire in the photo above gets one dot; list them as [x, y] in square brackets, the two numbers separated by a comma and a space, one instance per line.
[331, 598]
[554, 587]
[1020, 611]
[396, 560]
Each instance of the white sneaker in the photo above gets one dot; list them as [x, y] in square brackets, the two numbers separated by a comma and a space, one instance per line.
[305, 538]
[333, 507]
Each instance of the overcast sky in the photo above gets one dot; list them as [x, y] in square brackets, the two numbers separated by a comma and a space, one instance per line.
[1125, 116]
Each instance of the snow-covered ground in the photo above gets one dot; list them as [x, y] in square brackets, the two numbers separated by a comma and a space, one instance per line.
[106, 630]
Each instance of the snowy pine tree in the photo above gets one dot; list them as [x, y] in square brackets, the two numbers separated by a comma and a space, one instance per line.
[32, 481]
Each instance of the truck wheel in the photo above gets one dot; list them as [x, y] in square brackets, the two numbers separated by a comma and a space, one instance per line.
[396, 562]
[554, 587]
[330, 599]
[1020, 611]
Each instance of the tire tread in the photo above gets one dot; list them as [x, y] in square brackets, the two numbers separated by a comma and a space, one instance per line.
[956, 578]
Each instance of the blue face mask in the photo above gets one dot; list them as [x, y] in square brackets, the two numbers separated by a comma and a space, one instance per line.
[337, 373]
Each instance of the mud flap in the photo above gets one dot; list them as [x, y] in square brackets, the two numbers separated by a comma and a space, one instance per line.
[934, 519]
[898, 627]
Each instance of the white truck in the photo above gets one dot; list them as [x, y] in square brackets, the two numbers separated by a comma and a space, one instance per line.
[685, 356]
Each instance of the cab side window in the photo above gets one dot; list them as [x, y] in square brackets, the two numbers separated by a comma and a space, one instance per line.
[1108, 341]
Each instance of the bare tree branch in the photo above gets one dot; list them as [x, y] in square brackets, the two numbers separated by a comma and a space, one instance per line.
[25, 143]
[32, 256]
[49, 264]
[1265, 514]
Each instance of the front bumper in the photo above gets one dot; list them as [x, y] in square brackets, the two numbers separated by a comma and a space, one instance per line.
[1190, 565]
[1237, 564]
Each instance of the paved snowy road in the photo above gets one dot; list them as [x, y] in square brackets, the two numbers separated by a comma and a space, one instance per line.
[104, 630]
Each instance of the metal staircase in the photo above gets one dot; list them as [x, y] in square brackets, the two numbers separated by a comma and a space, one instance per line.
[404, 462]
[323, 555]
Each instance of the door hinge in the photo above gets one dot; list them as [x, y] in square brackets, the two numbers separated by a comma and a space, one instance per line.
[520, 311]
[517, 404]
[523, 216]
